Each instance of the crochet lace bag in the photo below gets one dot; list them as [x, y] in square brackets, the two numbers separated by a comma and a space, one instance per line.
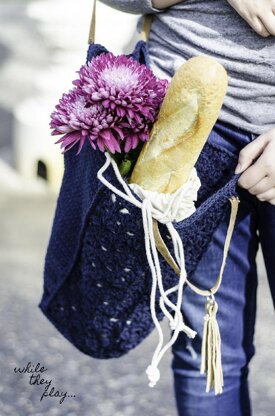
[97, 280]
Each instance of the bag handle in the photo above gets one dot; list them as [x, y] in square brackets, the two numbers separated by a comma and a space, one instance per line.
[146, 27]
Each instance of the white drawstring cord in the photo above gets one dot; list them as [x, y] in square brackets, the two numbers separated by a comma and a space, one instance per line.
[148, 212]
[152, 370]
[129, 197]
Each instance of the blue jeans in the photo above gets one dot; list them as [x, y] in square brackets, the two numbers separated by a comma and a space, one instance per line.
[236, 299]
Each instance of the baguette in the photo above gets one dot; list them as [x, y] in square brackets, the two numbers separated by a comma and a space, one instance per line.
[187, 115]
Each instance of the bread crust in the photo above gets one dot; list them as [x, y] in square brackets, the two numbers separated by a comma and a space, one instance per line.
[187, 115]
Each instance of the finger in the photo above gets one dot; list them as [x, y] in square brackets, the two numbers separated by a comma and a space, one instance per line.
[267, 196]
[252, 176]
[268, 22]
[262, 186]
[259, 27]
[250, 153]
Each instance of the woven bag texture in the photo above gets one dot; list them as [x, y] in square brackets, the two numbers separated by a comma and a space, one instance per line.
[97, 282]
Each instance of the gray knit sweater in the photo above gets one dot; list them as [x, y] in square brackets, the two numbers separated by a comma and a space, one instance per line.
[214, 28]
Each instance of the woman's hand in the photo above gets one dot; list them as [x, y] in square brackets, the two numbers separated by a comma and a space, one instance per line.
[259, 14]
[257, 162]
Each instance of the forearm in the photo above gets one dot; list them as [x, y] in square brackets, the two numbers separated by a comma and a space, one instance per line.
[133, 6]
[163, 4]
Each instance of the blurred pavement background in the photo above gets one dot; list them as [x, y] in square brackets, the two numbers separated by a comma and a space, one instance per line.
[102, 388]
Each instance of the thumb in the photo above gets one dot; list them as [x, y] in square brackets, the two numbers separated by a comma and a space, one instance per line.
[250, 153]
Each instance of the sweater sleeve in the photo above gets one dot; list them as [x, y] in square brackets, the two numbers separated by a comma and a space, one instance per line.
[132, 6]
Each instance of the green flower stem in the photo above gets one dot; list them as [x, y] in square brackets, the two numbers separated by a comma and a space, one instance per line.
[125, 167]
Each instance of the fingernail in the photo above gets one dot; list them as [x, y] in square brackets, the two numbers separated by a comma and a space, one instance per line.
[238, 168]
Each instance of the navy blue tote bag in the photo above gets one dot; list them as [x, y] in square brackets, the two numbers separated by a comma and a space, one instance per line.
[97, 281]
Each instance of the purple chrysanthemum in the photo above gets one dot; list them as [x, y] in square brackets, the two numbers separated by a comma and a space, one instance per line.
[120, 82]
[115, 101]
[80, 120]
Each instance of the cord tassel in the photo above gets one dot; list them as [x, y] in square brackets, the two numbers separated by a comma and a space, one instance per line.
[211, 362]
